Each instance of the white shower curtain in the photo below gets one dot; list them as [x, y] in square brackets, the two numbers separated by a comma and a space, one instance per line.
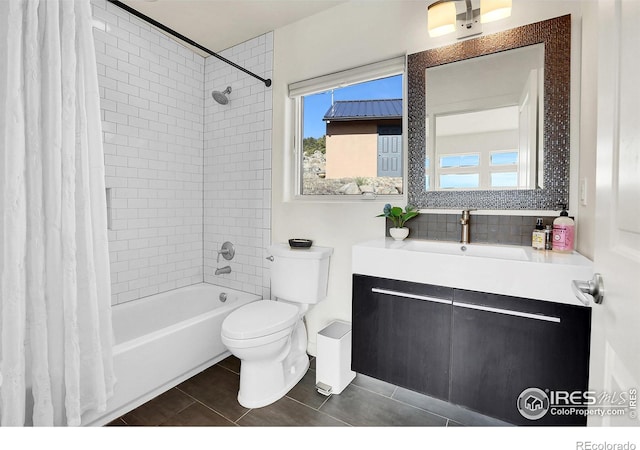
[55, 314]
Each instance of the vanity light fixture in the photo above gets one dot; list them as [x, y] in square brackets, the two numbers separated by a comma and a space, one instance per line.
[442, 17]
[492, 10]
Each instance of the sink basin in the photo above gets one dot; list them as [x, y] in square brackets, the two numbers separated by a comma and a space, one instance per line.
[513, 270]
[478, 250]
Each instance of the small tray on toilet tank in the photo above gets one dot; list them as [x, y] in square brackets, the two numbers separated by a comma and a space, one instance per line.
[300, 243]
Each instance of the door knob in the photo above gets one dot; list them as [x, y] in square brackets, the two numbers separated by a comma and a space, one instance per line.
[592, 290]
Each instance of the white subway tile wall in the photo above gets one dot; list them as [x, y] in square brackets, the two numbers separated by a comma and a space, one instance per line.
[151, 92]
[163, 133]
[237, 167]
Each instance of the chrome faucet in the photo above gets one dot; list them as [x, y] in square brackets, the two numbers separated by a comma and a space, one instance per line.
[223, 270]
[227, 251]
[464, 221]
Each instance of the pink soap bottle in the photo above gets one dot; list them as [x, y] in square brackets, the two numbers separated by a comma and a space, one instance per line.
[563, 232]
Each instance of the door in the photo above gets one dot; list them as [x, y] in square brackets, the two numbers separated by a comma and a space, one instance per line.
[389, 151]
[615, 362]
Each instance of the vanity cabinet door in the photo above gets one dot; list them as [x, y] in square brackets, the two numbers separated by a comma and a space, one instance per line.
[401, 333]
[503, 345]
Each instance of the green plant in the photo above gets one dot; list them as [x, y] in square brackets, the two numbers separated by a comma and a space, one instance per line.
[396, 215]
[361, 180]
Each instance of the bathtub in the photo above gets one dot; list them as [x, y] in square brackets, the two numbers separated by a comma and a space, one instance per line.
[164, 339]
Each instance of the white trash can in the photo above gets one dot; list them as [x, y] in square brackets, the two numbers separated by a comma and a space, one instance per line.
[333, 358]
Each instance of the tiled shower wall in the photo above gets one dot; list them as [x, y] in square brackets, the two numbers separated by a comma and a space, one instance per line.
[152, 104]
[237, 166]
[163, 133]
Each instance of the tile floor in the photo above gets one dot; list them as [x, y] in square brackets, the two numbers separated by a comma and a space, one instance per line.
[209, 399]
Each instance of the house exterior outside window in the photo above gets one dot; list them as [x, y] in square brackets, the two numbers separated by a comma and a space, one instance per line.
[364, 138]
[347, 134]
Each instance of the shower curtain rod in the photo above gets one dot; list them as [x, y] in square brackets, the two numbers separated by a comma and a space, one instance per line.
[155, 23]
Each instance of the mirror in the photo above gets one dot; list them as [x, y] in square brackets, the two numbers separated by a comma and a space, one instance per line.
[482, 121]
[488, 120]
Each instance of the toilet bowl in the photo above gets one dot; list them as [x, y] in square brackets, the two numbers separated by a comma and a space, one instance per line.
[269, 336]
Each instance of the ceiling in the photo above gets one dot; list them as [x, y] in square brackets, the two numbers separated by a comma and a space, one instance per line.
[220, 24]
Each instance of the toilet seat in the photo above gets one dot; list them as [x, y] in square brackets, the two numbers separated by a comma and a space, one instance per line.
[259, 319]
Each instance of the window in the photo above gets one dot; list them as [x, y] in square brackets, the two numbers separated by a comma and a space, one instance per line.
[349, 132]
[468, 171]
[459, 161]
[504, 179]
[503, 169]
[504, 158]
[460, 181]
[478, 150]
[459, 171]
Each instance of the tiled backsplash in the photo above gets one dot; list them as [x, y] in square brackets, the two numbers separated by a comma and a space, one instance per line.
[513, 230]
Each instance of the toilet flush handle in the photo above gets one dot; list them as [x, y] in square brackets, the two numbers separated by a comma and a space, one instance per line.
[270, 258]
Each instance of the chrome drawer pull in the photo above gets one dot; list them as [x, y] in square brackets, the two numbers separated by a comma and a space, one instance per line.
[414, 296]
[508, 312]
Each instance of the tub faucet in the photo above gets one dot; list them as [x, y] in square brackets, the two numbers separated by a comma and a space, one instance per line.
[223, 270]
[227, 251]
[464, 221]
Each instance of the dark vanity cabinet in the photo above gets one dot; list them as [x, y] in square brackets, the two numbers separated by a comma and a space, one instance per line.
[473, 349]
[504, 345]
[401, 333]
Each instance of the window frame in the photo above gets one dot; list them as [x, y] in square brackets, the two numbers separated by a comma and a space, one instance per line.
[361, 74]
[504, 168]
[484, 169]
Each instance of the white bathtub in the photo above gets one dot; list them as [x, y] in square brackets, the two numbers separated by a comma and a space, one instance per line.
[164, 339]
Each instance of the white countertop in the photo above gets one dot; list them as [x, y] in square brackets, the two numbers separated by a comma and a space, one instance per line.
[537, 274]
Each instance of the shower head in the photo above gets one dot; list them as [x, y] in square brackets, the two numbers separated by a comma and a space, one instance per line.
[221, 97]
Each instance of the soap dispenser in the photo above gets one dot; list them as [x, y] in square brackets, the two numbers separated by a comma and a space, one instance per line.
[563, 232]
[537, 237]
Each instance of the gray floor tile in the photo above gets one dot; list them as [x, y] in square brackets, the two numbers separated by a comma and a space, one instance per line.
[305, 391]
[231, 363]
[117, 423]
[159, 409]
[360, 407]
[373, 384]
[210, 399]
[286, 413]
[457, 413]
[217, 388]
[197, 415]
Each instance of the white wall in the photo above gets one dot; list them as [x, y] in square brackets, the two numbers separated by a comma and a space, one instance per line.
[237, 173]
[343, 37]
[588, 127]
[151, 92]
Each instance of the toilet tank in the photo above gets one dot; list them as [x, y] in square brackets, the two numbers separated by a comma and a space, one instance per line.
[299, 275]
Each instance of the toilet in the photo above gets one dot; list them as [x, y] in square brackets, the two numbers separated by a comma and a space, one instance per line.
[269, 336]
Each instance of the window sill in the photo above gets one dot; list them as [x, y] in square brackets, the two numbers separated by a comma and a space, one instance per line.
[382, 199]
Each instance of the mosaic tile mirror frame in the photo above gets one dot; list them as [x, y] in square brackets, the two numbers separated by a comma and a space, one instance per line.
[555, 34]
